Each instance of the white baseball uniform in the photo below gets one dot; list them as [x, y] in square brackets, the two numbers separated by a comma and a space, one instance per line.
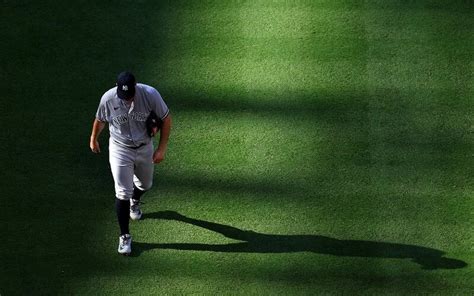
[130, 147]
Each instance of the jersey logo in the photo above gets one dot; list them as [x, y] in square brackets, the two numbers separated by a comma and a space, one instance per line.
[125, 87]
[138, 116]
[121, 119]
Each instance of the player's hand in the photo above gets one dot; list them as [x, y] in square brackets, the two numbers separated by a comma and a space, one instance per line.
[94, 145]
[158, 156]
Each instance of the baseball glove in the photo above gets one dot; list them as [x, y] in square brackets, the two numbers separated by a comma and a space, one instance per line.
[153, 124]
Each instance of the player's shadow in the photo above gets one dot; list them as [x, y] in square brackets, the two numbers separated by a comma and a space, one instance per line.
[253, 242]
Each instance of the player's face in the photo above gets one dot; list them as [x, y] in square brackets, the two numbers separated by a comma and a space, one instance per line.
[131, 98]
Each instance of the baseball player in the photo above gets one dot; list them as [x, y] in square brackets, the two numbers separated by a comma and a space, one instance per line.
[128, 108]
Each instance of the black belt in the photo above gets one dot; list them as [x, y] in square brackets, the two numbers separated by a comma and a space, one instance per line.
[139, 146]
[131, 147]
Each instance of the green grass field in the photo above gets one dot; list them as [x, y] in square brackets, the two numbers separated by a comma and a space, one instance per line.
[318, 147]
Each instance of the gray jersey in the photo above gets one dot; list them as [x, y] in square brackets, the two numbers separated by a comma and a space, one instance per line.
[127, 123]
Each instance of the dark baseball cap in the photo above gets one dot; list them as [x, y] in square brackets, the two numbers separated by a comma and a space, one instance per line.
[126, 85]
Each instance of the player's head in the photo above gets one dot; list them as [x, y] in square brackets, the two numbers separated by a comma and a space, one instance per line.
[126, 86]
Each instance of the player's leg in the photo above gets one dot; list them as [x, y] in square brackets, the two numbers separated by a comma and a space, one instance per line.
[143, 178]
[122, 167]
[144, 167]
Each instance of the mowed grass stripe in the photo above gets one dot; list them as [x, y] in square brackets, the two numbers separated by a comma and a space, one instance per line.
[420, 122]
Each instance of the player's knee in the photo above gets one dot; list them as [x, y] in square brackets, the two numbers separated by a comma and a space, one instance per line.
[144, 186]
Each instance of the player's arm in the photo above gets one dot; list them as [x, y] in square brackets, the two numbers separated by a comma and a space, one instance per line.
[97, 128]
[165, 131]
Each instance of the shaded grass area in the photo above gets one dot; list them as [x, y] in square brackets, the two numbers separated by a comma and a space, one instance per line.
[312, 119]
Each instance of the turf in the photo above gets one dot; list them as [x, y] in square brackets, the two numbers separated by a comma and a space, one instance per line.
[318, 147]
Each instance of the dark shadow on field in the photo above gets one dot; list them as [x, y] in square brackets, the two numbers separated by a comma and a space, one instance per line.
[253, 242]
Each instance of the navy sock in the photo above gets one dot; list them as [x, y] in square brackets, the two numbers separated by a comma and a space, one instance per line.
[137, 193]
[122, 207]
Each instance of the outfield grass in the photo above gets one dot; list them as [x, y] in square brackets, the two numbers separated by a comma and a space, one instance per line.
[318, 147]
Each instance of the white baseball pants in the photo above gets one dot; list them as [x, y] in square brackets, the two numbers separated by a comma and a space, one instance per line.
[131, 166]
